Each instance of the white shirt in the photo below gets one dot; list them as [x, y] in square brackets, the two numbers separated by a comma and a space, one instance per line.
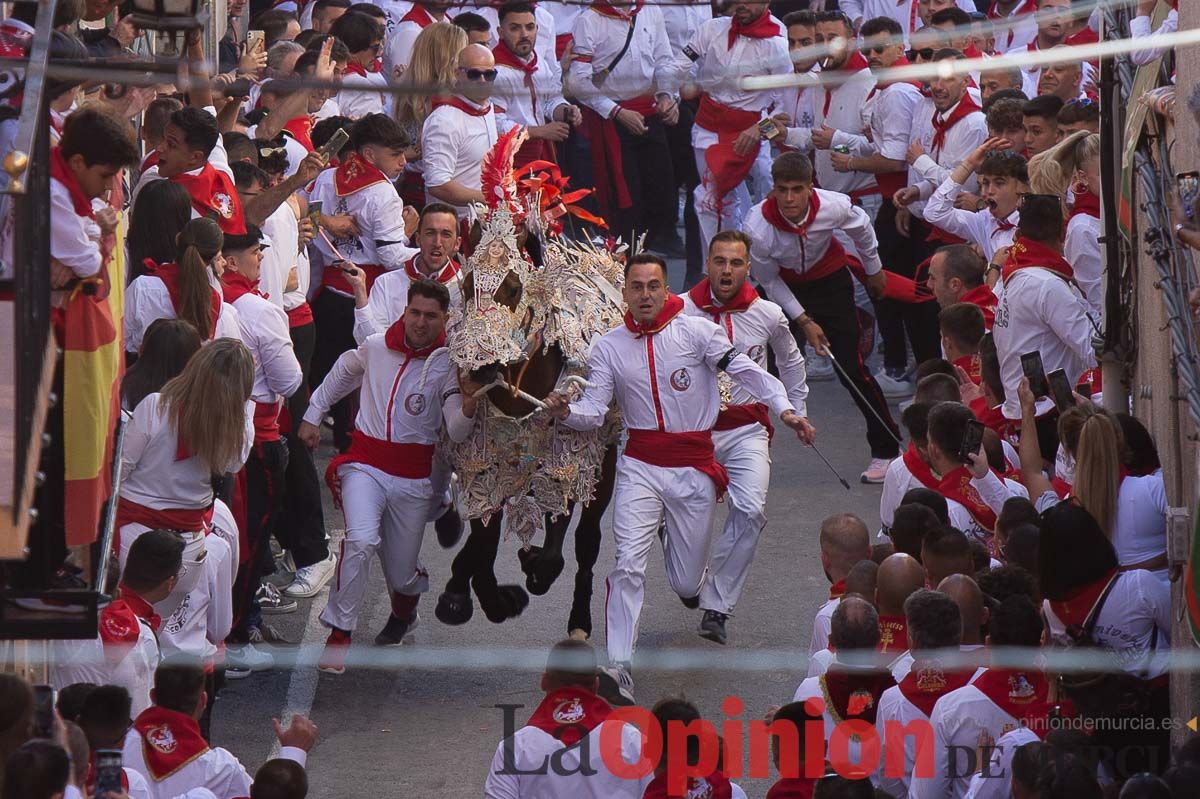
[298, 296]
[811, 688]
[353, 102]
[1140, 530]
[266, 333]
[379, 212]
[890, 114]
[74, 239]
[977, 227]
[198, 621]
[841, 108]
[1139, 28]
[1020, 27]
[648, 66]
[389, 297]
[217, 157]
[400, 40]
[217, 770]
[774, 249]
[517, 99]
[822, 624]
[90, 661]
[544, 45]
[294, 150]
[998, 783]
[1037, 310]
[531, 747]
[395, 11]
[1031, 76]
[403, 399]
[993, 490]
[683, 20]
[752, 331]
[279, 259]
[147, 300]
[453, 146]
[903, 11]
[680, 394]
[719, 69]
[1081, 248]
[932, 169]
[797, 103]
[1134, 622]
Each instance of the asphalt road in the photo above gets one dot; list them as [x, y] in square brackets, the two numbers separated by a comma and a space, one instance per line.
[428, 726]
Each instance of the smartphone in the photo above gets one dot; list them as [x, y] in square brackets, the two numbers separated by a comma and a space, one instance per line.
[336, 142]
[1189, 190]
[255, 40]
[314, 214]
[1031, 365]
[239, 88]
[43, 711]
[972, 440]
[108, 772]
[1060, 389]
[1084, 390]
[768, 128]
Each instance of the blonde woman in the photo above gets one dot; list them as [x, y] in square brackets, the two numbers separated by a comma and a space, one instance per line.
[1071, 170]
[199, 425]
[434, 64]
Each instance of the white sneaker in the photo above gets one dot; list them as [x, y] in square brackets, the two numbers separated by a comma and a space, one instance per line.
[312, 578]
[894, 388]
[876, 471]
[247, 657]
[817, 368]
[616, 684]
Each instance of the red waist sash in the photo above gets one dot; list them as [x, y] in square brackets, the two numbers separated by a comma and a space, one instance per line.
[266, 421]
[410, 461]
[334, 278]
[678, 450]
[189, 520]
[834, 260]
[608, 174]
[736, 416]
[300, 316]
[728, 168]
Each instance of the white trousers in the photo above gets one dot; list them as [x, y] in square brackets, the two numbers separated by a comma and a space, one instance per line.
[642, 497]
[385, 514]
[717, 212]
[745, 454]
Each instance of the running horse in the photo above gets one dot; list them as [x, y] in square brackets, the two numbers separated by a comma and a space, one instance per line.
[521, 332]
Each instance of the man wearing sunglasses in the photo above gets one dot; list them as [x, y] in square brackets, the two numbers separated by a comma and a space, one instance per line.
[363, 37]
[460, 132]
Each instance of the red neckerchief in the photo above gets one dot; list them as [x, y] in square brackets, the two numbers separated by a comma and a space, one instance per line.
[507, 58]
[150, 160]
[883, 84]
[714, 786]
[462, 105]
[609, 10]
[1086, 204]
[569, 714]
[776, 219]
[985, 299]
[855, 63]
[670, 310]
[703, 299]
[955, 485]
[354, 68]
[139, 606]
[419, 15]
[1026, 253]
[355, 174]
[214, 195]
[444, 275]
[793, 788]
[838, 589]
[927, 682]
[972, 51]
[301, 130]
[397, 342]
[170, 741]
[1021, 694]
[762, 28]
[235, 285]
[965, 107]
[169, 275]
[854, 694]
[1074, 610]
[973, 366]
[63, 174]
[893, 634]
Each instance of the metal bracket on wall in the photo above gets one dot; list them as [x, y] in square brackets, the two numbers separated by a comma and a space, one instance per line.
[1179, 539]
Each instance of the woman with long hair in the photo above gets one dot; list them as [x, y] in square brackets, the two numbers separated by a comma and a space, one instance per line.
[166, 349]
[183, 288]
[434, 63]
[160, 212]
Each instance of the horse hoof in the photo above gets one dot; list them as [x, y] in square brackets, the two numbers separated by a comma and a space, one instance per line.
[578, 635]
[454, 609]
[541, 569]
[501, 602]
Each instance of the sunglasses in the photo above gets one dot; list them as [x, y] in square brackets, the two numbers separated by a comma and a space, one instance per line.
[488, 75]
[876, 49]
[925, 54]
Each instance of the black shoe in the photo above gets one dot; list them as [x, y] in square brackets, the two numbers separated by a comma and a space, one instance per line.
[396, 628]
[448, 527]
[690, 602]
[712, 626]
[454, 609]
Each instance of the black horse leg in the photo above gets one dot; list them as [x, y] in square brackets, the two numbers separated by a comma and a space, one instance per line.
[478, 552]
[498, 602]
[587, 547]
[543, 564]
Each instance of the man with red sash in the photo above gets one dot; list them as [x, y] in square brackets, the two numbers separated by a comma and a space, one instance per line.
[567, 729]
[963, 328]
[277, 375]
[400, 39]
[956, 274]
[1040, 308]
[844, 541]
[1017, 21]
[1003, 178]
[994, 702]
[409, 388]
[934, 626]
[363, 36]
[104, 717]
[166, 747]
[625, 76]
[726, 136]
[1081, 247]
[1052, 26]
[852, 687]
[528, 90]
[801, 264]
[192, 155]
[742, 435]
[459, 133]
[661, 369]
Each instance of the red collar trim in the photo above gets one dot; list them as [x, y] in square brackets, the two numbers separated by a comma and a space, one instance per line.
[838, 589]
[854, 694]
[462, 105]
[763, 27]
[1078, 605]
[893, 634]
[955, 485]
[397, 342]
[927, 682]
[355, 174]
[1026, 253]
[170, 741]
[419, 15]
[670, 310]
[63, 174]
[444, 275]
[608, 10]
[1024, 695]
[702, 297]
[777, 220]
[507, 58]
[235, 285]
[1086, 204]
[569, 714]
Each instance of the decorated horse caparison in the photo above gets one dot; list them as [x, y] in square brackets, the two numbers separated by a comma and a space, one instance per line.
[522, 331]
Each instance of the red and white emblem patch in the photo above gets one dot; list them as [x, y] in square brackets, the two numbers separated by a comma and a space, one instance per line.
[756, 352]
[224, 204]
[162, 739]
[681, 380]
[414, 404]
[569, 711]
[115, 627]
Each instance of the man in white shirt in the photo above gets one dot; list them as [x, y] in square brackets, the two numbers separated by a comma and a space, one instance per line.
[743, 431]
[844, 541]
[105, 717]
[998, 80]
[401, 37]
[661, 369]
[363, 37]
[624, 74]
[1016, 23]
[1003, 178]
[460, 132]
[1053, 20]
[796, 102]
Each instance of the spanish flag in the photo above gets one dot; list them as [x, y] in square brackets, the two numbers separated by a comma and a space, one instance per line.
[93, 363]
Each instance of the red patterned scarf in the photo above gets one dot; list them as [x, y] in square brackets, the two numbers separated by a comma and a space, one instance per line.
[170, 741]
[955, 485]
[569, 714]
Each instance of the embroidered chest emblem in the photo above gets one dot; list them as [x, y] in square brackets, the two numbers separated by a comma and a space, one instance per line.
[859, 703]
[569, 711]
[930, 680]
[415, 404]
[1020, 689]
[224, 204]
[681, 380]
[162, 739]
[756, 352]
